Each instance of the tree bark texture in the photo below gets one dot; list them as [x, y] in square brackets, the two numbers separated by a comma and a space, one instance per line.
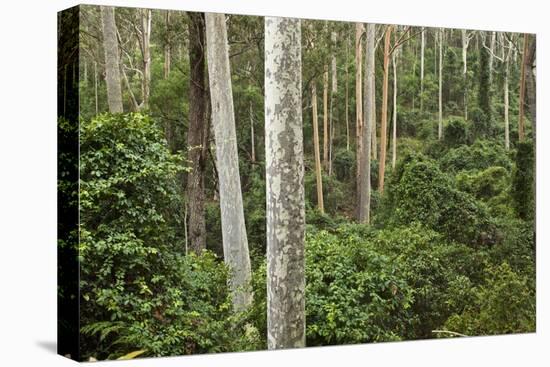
[235, 242]
[112, 59]
[284, 184]
[197, 135]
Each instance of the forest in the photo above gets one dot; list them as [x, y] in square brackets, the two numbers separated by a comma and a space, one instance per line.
[251, 183]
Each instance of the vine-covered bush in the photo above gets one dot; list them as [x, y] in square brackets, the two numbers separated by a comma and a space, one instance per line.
[419, 192]
[139, 289]
[478, 156]
[353, 293]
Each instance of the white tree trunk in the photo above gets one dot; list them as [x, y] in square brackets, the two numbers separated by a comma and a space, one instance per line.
[318, 174]
[465, 43]
[146, 18]
[394, 135]
[284, 184]
[325, 119]
[440, 115]
[359, 27]
[112, 59]
[364, 209]
[235, 243]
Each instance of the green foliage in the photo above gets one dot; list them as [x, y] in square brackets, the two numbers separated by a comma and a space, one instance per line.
[139, 290]
[456, 132]
[485, 184]
[483, 122]
[478, 156]
[353, 294]
[523, 181]
[344, 164]
[334, 192]
[430, 266]
[420, 192]
[504, 304]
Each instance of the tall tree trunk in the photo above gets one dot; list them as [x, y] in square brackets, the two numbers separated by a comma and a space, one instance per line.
[347, 93]
[384, 117]
[285, 184]
[506, 97]
[491, 55]
[465, 43]
[146, 18]
[235, 242]
[197, 135]
[333, 94]
[358, 105]
[325, 119]
[530, 83]
[374, 137]
[422, 48]
[365, 189]
[252, 137]
[96, 95]
[394, 135]
[320, 201]
[112, 59]
[440, 115]
[521, 123]
[167, 46]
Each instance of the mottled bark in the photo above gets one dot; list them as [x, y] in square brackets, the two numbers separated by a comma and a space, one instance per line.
[384, 117]
[112, 59]
[235, 242]
[368, 103]
[359, 27]
[197, 135]
[318, 177]
[284, 184]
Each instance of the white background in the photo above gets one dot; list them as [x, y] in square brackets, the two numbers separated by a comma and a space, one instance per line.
[28, 182]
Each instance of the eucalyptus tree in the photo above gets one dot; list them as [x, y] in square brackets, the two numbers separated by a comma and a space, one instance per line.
[235, 242]
[284, 184]
[112, 60]
[369, 122]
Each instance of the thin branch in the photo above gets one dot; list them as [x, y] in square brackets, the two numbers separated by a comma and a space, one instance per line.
[449, 332]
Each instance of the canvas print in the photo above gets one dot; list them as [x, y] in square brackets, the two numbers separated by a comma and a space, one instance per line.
[234, 183]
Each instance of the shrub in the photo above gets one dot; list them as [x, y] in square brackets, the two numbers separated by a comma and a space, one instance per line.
[419, 192]
[504, 304]
[430, 265]
[353, 294]
[139, 291]
[479, 156]
[484, 184]
[456, 132]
